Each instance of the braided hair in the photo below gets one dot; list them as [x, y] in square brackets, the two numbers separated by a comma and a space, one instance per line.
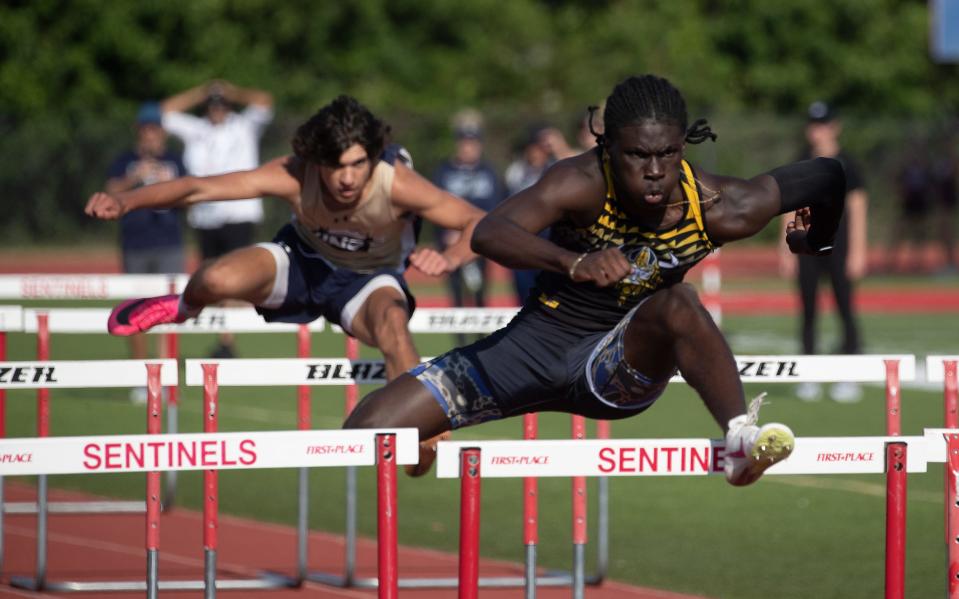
[647, 97]
[335, 128]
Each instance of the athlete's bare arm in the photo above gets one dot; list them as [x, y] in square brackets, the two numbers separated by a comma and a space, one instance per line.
[413, 193]
[278, 178]
[738, 208]
[741, 208]
[573, 188]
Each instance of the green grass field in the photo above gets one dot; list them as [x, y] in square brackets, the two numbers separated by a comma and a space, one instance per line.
[788, 537]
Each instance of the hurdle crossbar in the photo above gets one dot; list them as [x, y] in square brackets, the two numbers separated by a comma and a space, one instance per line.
[88, 286]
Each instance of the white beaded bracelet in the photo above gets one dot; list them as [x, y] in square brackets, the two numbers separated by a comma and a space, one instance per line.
[572, 267]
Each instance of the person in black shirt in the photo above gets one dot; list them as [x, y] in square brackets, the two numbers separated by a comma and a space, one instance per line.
[847, 262]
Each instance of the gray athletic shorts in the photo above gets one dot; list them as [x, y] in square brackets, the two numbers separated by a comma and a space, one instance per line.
[154, 261]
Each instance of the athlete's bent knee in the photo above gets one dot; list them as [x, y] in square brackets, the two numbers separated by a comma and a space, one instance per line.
[217, 279]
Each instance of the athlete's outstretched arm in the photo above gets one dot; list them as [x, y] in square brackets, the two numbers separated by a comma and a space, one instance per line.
[414, 193]
[275, 178]
[508, 234]
[743, 207]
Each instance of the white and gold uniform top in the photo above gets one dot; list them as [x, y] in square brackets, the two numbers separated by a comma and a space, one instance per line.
[368, 236]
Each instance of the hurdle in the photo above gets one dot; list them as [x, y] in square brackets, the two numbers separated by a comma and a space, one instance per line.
[528, 458]
[11, 320]
[153, 453]
[943, 369]
[302, 373]
[43, 375]
[46, 321]
[473, 321]
[639, 457]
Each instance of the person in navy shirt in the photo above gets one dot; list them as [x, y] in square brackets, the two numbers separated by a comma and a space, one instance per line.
[468, 175]
[151, 241]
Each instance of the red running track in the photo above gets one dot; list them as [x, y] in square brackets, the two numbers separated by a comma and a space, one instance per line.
[111, 547]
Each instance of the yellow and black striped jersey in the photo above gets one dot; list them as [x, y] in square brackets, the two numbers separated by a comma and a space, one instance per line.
[659, 258]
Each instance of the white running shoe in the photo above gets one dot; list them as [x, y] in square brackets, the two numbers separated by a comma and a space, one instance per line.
[751, 449]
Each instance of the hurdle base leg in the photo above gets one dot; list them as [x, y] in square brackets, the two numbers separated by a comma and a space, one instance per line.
[579, 570]
[153, 572]
[531, 571]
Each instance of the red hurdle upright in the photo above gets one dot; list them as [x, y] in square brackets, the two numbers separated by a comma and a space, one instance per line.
[154, 409]
[530, 511]
[896, 484]
[470, 482]
[43, 430]
[351, 395]
[951, 421]
[172, 352]
[387, 527]
[303, 423]
[351, 398]
[210, 484]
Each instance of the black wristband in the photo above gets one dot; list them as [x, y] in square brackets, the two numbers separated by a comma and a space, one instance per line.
[820, 185]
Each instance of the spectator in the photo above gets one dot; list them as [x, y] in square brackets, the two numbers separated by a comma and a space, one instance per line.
[220, 142]
[533, 160]
[468, 175]
[944, 178]
[847, 262]
[151, 241]
[914, 183]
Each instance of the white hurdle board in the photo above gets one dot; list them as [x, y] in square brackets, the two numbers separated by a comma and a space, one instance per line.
[935, 368]
[88, 286]
[11, 319]
[669, 457]
[288, 371]
[341, 371]
[460, 320]
[456, 320]
[210, 320]
[83, 374]
[200, 451]
[821, 369]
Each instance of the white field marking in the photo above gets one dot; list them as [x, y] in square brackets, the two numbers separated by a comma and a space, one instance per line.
[846, 485]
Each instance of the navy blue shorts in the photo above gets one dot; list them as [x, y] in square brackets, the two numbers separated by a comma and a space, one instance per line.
[536, 364]
[307, 287]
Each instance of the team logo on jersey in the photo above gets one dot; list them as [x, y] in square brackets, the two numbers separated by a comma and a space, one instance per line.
[348, 241]
[647, 270]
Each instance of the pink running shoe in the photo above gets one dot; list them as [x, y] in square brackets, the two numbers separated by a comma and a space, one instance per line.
[139, 315]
